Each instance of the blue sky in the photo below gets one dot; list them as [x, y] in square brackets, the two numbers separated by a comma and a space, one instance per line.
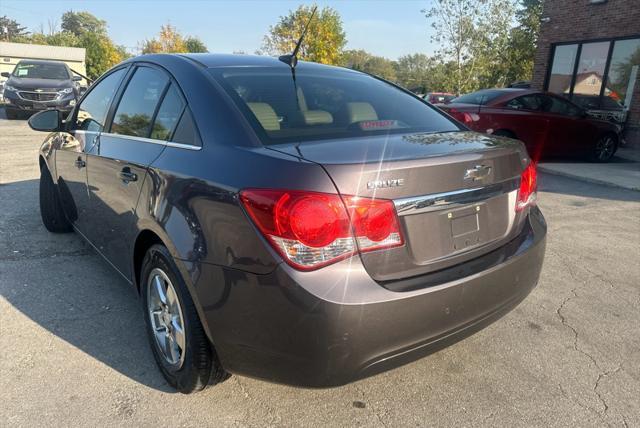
[386, 28]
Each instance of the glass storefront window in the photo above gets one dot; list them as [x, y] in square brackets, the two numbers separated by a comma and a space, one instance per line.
[564, 60]
[582, 78]
[590, 74]
[623, 72]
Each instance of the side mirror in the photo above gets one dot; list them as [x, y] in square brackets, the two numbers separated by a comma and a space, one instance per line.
[5, 74]
[76, 78]
[46, 121]
[82, 90]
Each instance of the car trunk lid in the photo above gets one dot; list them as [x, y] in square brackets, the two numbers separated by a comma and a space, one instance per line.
[454, 193]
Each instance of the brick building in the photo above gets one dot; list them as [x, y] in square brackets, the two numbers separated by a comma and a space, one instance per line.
[589, 51]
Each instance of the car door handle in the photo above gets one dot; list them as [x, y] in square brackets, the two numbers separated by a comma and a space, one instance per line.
[127, 176]
[79, 163]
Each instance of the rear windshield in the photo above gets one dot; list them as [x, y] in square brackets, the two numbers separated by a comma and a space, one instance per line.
[41, 71]
[325, 104]
[479, 97]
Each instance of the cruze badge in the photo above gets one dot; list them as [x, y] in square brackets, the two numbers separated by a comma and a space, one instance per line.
[478, 172]
[382, 184]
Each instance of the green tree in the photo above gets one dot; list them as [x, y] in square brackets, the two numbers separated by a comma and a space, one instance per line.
[415, 72]
[355, 59]
[491, 51]
[10, 29]
[454, 25]
[323, 43]
[524, 39]
[83, 30]
[80, 23]
[63, 38]
[480, 44]
[195, 45]
[101, 54]
[170, 40]
[362, 60]
[382, 67]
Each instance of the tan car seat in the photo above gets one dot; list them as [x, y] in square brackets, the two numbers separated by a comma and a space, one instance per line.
[312, 117]
[360, 111]
[265, 115]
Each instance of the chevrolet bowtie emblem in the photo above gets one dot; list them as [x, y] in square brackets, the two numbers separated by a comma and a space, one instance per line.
[478, 172]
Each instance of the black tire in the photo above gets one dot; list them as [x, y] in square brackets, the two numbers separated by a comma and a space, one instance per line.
[504, 133]
[11, 114]
[604, 149]
[200, 366]
[50, 206]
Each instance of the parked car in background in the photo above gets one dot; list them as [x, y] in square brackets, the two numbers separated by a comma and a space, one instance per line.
[310, 231]
[439, 97]
[39, 85]
[549, 125]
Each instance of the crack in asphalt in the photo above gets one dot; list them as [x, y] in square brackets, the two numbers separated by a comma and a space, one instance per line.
[274, 418]
[602, 373]
[624, 421]
[583, 406]
[373, 408]
[595, 387]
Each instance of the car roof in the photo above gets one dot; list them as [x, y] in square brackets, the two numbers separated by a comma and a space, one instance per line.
[212, 60]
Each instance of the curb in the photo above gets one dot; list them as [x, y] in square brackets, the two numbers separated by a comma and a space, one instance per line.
[586, 179]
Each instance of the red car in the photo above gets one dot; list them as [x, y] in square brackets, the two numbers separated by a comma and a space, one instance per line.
[549, 125]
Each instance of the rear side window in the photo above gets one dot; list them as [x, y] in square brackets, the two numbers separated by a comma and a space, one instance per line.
[138, 103]
[324, 104]
[558, 106]
[92, 111]
[186, 132]
[527, 102]
[168, 115]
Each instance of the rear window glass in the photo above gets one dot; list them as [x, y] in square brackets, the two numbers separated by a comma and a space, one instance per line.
[479, 97]
[325, 104]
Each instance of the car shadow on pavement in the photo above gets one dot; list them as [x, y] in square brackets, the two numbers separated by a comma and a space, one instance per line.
[59, 282]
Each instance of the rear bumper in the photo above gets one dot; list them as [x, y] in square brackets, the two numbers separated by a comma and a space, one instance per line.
[332, 326]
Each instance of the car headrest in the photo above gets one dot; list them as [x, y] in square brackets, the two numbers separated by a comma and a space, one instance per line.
[265, 115]
[317, 117]
[359, 111]
[302, 101]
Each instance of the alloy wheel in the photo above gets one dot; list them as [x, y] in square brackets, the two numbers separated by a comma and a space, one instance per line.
[166, 318]
[605, 148]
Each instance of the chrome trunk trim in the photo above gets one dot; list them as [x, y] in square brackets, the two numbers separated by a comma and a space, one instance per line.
[453, 199]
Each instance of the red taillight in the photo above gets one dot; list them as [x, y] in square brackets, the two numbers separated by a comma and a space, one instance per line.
[464, 117]
[311, 229]
[527, 193]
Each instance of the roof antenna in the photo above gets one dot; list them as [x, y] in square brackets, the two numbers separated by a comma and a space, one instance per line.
[292, 58]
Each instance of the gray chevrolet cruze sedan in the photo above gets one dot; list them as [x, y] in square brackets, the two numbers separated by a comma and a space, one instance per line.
[309, 226]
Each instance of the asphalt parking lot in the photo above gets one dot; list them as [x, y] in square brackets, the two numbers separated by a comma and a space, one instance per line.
[74, 351]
